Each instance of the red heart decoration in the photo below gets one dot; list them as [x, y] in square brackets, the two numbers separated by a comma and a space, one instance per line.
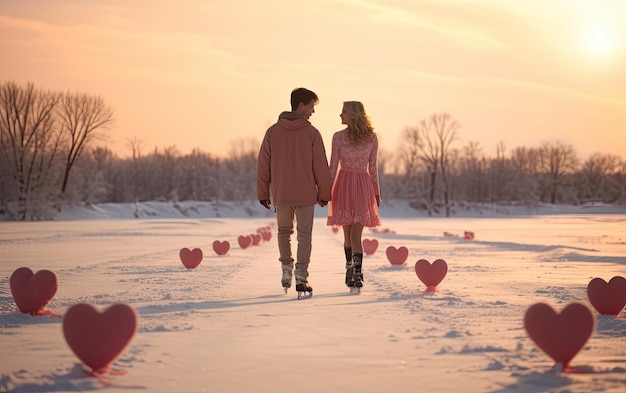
[397, 256]
[468, 235]
[191, 258]
[256, 239]
[221, 248]
[244, 241]
[607, 298]
[431, 274]
[33, 292]
[562, 335]
[370, 246]
[266, 235]
[335, 229]
[98, 338]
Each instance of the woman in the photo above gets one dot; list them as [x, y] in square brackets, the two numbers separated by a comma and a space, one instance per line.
[356, 193]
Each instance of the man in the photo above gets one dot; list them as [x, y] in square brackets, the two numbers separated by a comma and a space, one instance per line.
[292, 162]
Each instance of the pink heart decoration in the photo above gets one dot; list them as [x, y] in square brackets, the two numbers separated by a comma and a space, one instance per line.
[98, 338]
[397, 256]
[431, 274]
[191, 258]
[256, 239]
[244, 241]
[221, 248]
[370, 246]
[468, 235]
[607, 298]
[335, 229]
[562, 335]
[266, 235]
[33, 292]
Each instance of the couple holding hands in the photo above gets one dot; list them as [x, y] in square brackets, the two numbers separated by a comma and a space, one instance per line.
[293, 168]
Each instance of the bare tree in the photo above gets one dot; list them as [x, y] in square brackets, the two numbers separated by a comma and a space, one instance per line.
[555, 160]
[239, 169]
[81, 117]
[420, 145]
[30, 142]
[617, 183]
[594, 174]
[444, 129]
[498, 175]
[135, 145]
[199, 177]
[170, 169]
[429, 155]
[429, 142]
[410, 160]
[523, 184]
[473, 167]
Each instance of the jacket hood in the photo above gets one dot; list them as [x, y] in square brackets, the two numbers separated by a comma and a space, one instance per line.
[290, 116]
[292, 120]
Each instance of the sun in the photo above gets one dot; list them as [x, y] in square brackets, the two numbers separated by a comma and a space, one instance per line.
[601, 42]
[601, 37]
[600, 27]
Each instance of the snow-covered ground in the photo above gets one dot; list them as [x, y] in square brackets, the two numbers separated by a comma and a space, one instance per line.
[227, 326]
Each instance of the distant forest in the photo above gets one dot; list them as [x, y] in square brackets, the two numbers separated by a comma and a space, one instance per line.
[52, 155]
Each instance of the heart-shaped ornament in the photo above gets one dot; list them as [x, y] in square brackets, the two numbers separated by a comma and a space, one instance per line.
[608, 298]
[397, 256]
[468, 235]
[191, 258]
[560, 336]
[370, 246]
[266, 235]
[33, 292]
[221, 248]
[97, 338]
[256, 239]
[244, 241]
[431, 274]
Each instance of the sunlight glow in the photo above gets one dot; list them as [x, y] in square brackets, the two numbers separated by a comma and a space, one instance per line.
[601, 41]
[601, 32]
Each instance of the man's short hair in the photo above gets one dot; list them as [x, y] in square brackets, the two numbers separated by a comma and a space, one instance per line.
[302, 95]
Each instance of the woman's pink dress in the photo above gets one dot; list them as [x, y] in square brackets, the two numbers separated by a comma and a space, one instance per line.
[354, 176]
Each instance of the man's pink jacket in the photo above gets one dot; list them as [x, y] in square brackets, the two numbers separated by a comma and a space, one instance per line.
[292, 162]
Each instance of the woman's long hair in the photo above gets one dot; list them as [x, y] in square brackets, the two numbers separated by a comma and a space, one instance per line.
[360, 128]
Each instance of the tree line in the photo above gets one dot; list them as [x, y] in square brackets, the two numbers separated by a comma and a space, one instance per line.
[52, 154]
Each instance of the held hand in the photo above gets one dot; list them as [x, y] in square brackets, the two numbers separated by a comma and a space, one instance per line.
[322, 203]
[266, 203]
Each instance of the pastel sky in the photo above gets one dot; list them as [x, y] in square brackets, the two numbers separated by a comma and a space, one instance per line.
[211, 74]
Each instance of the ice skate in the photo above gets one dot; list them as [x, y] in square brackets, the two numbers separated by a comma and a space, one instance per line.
[287, 278]
[349, 266]
[304, 290]
[349, 271]
[356, 281]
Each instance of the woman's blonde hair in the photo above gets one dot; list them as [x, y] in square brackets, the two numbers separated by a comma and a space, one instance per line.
[360, 128]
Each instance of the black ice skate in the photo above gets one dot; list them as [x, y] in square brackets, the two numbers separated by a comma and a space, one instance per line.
[356, 282]
[349, 267]
[304, 290]
[349, 272]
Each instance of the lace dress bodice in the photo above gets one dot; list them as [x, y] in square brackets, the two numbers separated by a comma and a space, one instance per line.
[350, 157]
